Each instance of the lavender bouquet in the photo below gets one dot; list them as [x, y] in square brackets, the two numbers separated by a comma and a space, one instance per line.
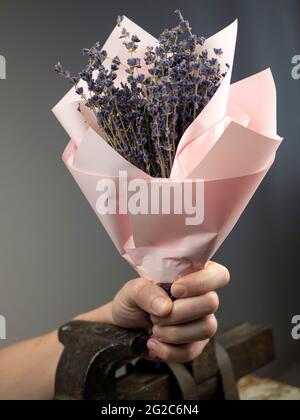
[164, 111]
[144, 118]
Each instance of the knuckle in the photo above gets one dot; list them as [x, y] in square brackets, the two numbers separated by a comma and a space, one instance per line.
[213, 302]
[138, 288]
[190, 353]
[170, 334]
[199, 279]
[194, 280]
[166, 353]
[210, 327]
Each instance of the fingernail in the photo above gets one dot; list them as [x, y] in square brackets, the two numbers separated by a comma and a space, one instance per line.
[159, 305]
[152, 345]
[178, 290]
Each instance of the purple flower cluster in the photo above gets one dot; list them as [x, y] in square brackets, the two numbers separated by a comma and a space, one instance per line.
[144, 118]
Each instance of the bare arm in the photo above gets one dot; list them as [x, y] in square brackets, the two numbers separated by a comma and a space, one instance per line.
[27, 369]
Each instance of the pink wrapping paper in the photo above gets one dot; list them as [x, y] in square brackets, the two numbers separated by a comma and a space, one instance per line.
[230, 146]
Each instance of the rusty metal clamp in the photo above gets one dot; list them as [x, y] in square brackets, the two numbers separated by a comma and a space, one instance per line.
[93, 353]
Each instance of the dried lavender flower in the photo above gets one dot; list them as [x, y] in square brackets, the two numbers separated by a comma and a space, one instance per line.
[144, 118]
[120, 20]
[135, 38]
[218, 51]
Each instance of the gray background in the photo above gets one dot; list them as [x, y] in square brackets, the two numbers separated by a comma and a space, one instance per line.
[55, 259]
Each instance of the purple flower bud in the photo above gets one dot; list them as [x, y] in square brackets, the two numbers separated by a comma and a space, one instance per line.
[131, 46]
[124, 34]
[140, 78]
[116, 61]
[135, 38]
[79, 91]
[74, 80]
[120, 20]
[58, 68]
[178, 13]
[134, 62]
[218, 51]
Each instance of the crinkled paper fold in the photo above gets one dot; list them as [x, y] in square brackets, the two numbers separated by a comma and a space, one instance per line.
[231, 146]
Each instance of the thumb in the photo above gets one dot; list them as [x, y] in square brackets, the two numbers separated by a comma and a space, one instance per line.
[149, 297]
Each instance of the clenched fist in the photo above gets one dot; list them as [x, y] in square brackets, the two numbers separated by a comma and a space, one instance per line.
[181, 329]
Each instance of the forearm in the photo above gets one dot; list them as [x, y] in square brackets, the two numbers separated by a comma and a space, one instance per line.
[27, 369]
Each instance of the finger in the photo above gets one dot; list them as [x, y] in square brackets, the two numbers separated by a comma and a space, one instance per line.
[214, 276]
[175, 354]
[189, 309]
[148, 296]
[187, 333]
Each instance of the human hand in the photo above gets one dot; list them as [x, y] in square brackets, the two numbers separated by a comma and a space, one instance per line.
[182, 328]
